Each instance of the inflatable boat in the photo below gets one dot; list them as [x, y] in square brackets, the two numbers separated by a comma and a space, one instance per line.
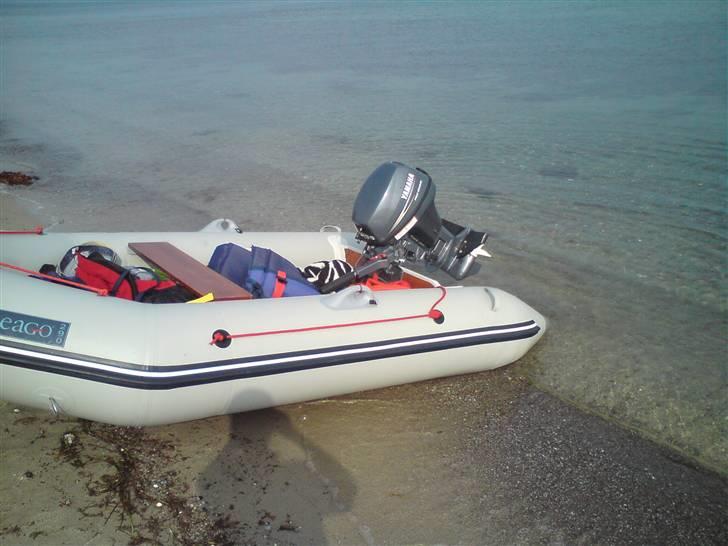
[80, 351]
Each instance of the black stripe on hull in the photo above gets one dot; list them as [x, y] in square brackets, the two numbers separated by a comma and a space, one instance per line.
[299, 361]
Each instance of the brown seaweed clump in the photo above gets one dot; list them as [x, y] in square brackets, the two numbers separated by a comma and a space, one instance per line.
[129, 476]
[13, 178]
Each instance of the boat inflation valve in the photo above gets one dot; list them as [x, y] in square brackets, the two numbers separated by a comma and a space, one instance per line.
[221, 338]
[437, 315]
[54, 408]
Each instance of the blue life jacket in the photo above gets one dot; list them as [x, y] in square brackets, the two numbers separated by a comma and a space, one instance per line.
[260, 271]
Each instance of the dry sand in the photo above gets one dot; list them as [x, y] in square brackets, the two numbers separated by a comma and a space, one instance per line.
[480, 459]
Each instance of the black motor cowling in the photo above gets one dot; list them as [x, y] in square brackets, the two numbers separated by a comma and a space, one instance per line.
[396, 200]
[395, 212]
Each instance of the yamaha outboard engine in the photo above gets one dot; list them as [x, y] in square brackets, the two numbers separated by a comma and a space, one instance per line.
[396, 217]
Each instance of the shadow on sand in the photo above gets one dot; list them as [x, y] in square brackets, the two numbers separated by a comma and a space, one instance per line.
[268, 478]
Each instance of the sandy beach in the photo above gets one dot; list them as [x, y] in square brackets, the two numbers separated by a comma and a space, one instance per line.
[481, 459]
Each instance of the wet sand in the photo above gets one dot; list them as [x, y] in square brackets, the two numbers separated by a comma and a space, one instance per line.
[479, 459]
[14, 214]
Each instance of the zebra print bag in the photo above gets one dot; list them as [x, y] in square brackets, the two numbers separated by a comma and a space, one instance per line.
[322, 273]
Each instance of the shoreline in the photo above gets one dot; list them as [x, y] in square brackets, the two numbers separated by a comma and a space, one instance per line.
[692, 459]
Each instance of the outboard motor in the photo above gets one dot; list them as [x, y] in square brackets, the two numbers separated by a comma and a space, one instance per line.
[396, 217]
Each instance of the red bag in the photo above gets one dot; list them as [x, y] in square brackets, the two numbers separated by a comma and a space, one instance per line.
[119, 281]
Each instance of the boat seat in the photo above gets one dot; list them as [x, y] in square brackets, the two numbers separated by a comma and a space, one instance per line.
[188, 272]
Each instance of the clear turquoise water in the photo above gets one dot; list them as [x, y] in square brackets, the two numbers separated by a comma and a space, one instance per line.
[589, 138]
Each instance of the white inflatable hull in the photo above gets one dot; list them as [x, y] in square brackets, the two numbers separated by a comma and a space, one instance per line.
[128, 363]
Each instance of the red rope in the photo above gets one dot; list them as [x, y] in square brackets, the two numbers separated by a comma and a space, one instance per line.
[37, 230]
[432, 313]
[99, 291]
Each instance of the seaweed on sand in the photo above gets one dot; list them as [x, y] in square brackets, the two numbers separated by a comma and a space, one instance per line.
[13, 178]
[129, 476]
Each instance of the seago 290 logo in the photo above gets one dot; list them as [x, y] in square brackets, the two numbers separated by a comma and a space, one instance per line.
[38, 329]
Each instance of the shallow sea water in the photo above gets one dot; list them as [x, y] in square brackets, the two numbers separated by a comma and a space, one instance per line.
[589, 139]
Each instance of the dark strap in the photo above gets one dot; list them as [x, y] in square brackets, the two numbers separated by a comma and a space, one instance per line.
[132, 285]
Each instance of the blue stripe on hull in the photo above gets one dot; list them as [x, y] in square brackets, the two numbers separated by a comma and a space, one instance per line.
[172, 377]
